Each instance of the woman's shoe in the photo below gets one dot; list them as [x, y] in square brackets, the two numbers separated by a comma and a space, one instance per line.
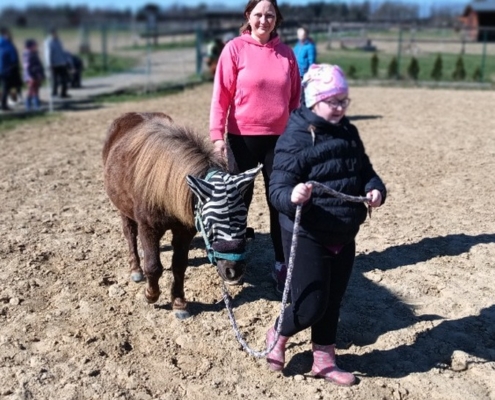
[276, 357]
[325, 366]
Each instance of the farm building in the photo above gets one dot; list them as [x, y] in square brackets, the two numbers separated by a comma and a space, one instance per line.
[479, 17]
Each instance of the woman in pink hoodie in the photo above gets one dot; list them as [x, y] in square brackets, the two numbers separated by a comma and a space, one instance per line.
[256, 86]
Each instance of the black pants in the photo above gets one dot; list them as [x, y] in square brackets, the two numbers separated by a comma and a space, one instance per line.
[248, 152]
[319, 281]
[60, 77]
[7, 85]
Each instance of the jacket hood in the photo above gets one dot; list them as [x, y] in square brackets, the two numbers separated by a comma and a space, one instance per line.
[246, 36]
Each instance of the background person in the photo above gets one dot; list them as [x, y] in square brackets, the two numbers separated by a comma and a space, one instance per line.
[213, 51]
[75, 70]
[320, 144]
[9, 66]
[33, 74]
[256, 86]
[57, 64]
[305, 51]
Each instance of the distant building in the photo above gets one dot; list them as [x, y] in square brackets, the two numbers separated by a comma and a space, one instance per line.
[479, 17]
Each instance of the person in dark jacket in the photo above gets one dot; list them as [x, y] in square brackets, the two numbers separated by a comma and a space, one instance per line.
[57, 63]
[320, 144]
[33, 74]
[9, 66]
[76, 67]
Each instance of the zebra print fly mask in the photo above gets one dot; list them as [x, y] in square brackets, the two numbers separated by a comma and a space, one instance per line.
[220, 212]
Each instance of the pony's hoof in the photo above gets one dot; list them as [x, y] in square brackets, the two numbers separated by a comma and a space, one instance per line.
[137, 276]
[151, 298]
[182, 314]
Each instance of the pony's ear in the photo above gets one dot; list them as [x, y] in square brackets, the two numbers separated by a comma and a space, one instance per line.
[244, 179]
[201, 188]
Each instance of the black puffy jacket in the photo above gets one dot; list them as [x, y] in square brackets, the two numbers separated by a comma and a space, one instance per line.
[313, 149]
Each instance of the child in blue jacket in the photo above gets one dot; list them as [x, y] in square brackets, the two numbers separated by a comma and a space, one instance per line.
[320, 144]
[305, 51]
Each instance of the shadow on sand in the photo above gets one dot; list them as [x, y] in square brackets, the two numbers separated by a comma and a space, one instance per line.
[474, 334]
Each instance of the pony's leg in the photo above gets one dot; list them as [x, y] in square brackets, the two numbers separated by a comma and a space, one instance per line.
[130, 229]
[152, 266]
[181, 242]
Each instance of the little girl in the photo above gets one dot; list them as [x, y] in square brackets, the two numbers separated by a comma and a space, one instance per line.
[33, 73]
[320, 144]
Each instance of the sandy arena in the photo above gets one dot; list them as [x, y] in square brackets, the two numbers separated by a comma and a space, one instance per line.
[418, 320]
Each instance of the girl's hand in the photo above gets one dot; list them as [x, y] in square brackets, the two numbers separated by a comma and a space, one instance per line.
[220, 148]
[301, 193]
[375, 198]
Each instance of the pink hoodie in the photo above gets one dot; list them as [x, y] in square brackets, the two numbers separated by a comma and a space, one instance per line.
[256, 87]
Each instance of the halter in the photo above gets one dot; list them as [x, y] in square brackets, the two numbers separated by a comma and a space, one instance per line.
[213, 255]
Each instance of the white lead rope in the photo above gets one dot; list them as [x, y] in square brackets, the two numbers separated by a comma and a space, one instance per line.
[283, 305]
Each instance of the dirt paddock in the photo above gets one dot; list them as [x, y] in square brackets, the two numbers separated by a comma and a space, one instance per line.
[418, 320]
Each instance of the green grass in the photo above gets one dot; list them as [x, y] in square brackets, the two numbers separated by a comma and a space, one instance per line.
[165, 89]
[11, 121]
[182, 44]
[362, 62]
[94, 64]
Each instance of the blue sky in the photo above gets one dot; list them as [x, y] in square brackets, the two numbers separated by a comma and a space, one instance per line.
[134, 4]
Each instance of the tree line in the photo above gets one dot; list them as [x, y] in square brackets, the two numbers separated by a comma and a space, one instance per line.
[366, 11]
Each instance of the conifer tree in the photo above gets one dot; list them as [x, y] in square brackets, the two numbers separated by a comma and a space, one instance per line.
[459, 72]
[374, 65]
[477, 74]
[436, 72]
[352, 72]
[413, 69]
[393, 71]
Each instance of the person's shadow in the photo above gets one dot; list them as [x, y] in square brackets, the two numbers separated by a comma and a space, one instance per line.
[474, 335]
[388, 312]
[434, 348]
[370, 310]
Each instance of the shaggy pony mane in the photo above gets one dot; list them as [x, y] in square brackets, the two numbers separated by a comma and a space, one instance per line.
[161, 155]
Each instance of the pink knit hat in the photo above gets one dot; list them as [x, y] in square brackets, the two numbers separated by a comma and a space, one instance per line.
[323, 81]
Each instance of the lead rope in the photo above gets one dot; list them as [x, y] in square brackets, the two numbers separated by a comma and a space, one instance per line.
[283, 305]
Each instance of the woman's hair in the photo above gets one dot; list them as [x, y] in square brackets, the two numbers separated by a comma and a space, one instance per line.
[250, 6]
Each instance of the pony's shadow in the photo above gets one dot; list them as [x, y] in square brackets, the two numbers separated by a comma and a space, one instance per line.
[363, 117]
[194, 307]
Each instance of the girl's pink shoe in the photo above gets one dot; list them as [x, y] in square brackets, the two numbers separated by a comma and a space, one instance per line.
[276, 357]
[324, 366]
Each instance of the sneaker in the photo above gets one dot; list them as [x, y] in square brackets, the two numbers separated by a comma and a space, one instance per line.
[279, 274]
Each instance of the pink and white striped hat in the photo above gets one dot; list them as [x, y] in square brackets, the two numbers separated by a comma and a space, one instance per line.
[323, 81]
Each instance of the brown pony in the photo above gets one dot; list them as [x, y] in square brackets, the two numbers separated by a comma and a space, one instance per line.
[152, 167]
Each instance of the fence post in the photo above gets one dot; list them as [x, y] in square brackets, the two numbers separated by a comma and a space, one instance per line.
[399, 51]
[329, 36]
[199, 53]
[483, 55]
[104, 58]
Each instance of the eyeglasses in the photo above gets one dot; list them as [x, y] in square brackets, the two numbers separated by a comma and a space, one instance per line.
[268, 16]
[336, 103]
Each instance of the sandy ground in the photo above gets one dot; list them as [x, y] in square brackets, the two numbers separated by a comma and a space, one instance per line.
[418, 320]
